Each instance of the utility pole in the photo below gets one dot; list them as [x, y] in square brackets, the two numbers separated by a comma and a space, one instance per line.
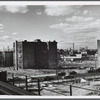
[73, 46]
[13, 78]
[26, 83]
[95, 62]
[39, 86]
[57, 66]
[70, 90]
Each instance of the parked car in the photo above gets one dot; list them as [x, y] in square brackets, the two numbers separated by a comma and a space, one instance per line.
[69, 77]
[61, 74]
[73, 73]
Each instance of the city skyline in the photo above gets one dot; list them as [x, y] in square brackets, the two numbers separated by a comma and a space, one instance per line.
[67, 24]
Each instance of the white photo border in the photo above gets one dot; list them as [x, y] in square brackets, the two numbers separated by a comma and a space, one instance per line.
[7, 97]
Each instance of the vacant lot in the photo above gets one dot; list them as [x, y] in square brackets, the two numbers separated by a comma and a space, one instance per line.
[61, 89]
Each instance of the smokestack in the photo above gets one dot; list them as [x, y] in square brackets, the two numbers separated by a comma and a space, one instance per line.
[98, 50]
[73, 46]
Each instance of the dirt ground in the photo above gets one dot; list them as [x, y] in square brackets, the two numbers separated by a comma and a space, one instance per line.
[58, 89]
[64, 90]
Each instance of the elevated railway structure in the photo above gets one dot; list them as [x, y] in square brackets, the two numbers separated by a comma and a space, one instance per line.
[7, 89]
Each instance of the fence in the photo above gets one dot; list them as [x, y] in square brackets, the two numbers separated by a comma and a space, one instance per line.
[24, 83]
[38, 89]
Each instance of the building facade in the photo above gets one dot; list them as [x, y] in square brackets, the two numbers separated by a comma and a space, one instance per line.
[41, 54]
[36, 54]
[52, 51]
[7, 58]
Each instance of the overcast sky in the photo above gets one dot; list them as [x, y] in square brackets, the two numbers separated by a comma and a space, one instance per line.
[65, 24]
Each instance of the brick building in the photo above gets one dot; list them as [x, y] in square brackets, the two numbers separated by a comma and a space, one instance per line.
[7, 58]
[36, 54]
[41, 54]
[52, 51]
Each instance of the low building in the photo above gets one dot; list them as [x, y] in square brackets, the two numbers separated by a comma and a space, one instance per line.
[72, 58]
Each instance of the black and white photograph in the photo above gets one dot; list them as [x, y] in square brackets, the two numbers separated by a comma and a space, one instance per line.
[50, 49]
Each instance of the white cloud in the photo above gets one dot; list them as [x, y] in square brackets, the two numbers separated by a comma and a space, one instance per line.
[1, 26]
[14, 8]
[8, 38]
[79, 30]
[5, 37]
[59, 10]
[1, 29]
[79, 19]
[15, 33]
[60, 26]
[78, 24]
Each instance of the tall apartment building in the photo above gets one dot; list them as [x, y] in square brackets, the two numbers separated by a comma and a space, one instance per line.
[36, 54]
[41, 54]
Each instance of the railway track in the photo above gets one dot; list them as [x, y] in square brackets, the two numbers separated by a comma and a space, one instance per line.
[7, 89]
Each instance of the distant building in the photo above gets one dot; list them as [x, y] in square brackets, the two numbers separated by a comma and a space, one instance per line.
[7, 58]
[73, 58]
[36, 54]
[98, 49]
[1, 59]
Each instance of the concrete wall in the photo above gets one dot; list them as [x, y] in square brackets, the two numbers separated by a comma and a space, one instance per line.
[19, 54]
[15, 55]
